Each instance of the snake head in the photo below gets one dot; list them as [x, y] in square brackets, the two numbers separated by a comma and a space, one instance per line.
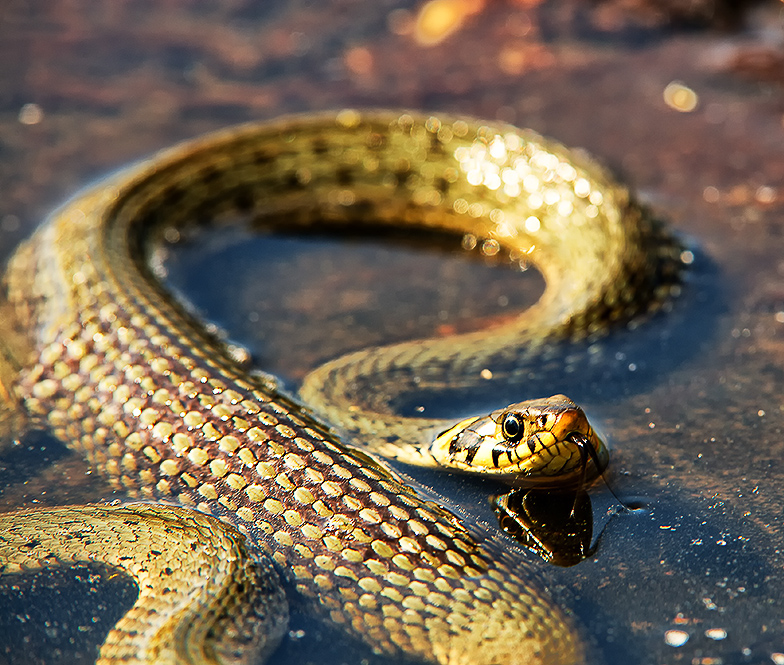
[537, 442]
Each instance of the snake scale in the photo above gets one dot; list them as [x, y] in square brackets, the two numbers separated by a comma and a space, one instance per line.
[112, 365]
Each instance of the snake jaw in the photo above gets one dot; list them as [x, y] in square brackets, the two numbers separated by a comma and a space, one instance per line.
[568, 445]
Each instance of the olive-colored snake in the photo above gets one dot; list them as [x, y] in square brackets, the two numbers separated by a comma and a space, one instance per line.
[117, 369]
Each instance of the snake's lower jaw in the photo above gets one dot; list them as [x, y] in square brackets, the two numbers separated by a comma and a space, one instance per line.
[561, 465]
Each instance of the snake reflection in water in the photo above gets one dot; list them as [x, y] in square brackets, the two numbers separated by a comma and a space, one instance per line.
[101, 355]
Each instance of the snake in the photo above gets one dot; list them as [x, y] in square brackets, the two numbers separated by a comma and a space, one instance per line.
[97, 351]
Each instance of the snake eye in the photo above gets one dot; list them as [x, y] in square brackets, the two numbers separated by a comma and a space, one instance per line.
[511, 427]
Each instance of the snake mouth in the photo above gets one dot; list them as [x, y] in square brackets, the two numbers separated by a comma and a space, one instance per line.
[569, 460]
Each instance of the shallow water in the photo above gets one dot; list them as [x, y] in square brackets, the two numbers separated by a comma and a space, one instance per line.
[690, 402]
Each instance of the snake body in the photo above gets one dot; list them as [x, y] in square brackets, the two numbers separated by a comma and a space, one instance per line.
[116, 368]
[202, 596]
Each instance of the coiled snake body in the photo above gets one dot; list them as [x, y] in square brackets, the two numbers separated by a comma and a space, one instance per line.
[118, 370]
